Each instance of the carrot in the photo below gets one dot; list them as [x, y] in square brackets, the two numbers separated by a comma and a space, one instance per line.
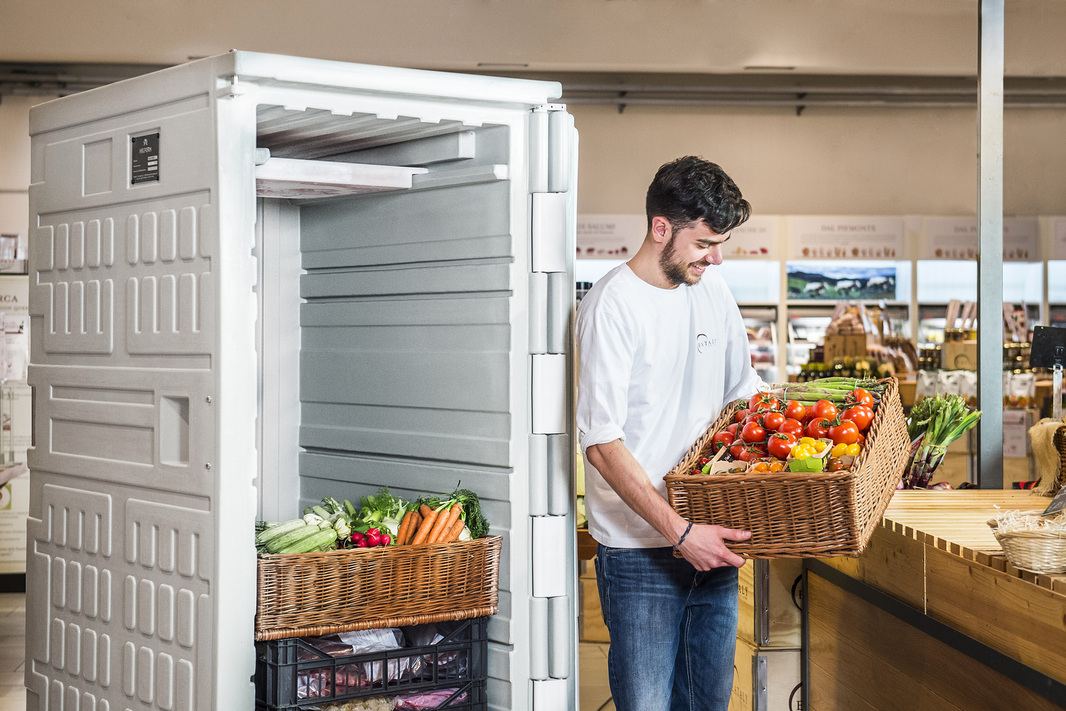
[452, 534]
[405, 527]
[421, 536]
[415, 523]
[444, 523]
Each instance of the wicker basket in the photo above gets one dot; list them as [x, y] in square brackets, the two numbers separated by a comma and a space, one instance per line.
[799, 515]
[1060, 444]
[312, 594]
[1036, 551]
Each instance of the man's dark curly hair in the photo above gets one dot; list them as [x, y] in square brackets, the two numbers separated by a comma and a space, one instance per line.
[689, 189]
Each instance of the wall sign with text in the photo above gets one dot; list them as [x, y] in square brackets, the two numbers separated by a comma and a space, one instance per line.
[957, 238]
[847, 237]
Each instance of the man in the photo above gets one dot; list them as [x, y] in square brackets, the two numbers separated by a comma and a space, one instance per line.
[662, 348]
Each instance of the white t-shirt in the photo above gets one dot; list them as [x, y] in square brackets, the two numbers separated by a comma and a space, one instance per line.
[656, 366]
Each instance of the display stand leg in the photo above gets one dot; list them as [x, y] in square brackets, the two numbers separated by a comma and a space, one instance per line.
[1056, 382]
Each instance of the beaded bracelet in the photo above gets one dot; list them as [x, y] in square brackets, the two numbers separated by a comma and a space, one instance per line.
[683, 535]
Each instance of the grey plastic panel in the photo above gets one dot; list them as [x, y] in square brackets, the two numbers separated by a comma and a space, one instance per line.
[468, 222]
[415, 377]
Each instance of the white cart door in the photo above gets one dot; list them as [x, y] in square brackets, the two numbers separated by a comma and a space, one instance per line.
[144, 422]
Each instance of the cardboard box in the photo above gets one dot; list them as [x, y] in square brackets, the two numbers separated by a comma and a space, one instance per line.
[766, 679]
[844, 345]
[769, 596]
[959, 355]
[591, 623]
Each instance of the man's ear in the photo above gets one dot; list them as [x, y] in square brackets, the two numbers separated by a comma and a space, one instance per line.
[661, 229]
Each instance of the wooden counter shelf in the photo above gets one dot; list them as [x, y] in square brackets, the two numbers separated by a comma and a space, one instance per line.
[933, 616]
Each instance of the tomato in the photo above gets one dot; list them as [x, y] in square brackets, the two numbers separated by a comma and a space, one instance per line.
[853, 449]
[861, 397]
[753, 432]
[741, 453]
[861, 439]
[823, 409]
[790, 426]
[834, 465]
[777, 466]
[802, 451]
[845, 432]
[761, 467]
[772, 421]
[839, 450]
[794, 410]
[739, 415]
[759, 449]
[721, 439]
[818, 428]
[861, 415]
[732, 429]
[771, 403]
[763, 401]
[780, 445]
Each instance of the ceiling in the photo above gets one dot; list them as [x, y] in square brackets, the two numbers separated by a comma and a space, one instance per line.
[623, 52]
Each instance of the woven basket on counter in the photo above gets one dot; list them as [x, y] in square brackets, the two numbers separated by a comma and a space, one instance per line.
[1037, 551]
[311, 594]
[798, 515]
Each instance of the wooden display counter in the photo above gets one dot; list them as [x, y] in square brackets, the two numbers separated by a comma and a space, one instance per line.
[933, 616]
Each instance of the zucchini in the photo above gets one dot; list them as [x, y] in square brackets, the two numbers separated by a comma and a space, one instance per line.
[278, 529]
[291, 537]
[314, 542]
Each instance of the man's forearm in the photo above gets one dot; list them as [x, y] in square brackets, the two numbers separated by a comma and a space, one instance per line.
[623, 472]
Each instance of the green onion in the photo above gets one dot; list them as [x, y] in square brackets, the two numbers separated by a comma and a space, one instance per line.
[934, 423]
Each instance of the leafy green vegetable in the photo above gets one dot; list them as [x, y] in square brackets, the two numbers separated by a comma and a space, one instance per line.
[476, 522]
[933, 424]
[380, 510]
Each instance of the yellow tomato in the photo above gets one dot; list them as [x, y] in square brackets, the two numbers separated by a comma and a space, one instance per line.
[854, 448]
[838, 450]
[806, 440]
[802, 451]
[819, 446]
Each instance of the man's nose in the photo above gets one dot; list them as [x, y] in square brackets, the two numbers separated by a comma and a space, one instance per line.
[714, 254]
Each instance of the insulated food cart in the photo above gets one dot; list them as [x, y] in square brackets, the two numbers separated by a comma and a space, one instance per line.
[259, 280]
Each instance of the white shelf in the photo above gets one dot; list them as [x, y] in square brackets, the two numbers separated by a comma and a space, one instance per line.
[309, 179]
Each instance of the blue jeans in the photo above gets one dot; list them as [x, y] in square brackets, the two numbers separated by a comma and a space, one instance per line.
[673, 630]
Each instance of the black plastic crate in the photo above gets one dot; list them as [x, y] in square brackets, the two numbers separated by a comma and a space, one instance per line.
[296, 674]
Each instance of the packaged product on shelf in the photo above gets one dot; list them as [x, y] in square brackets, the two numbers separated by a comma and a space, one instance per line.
[1019, 389]
[926, 384]
[378, 703]
[314, 682]
[439, 698]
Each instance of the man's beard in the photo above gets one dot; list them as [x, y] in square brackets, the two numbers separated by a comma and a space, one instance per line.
[675, 272]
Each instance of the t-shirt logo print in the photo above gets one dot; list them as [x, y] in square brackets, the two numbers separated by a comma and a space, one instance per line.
[703, 343]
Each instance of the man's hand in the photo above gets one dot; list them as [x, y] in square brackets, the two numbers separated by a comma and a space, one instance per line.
[705, 548]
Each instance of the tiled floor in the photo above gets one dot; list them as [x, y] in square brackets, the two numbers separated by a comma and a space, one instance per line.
[595, 696]
[12, 651]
